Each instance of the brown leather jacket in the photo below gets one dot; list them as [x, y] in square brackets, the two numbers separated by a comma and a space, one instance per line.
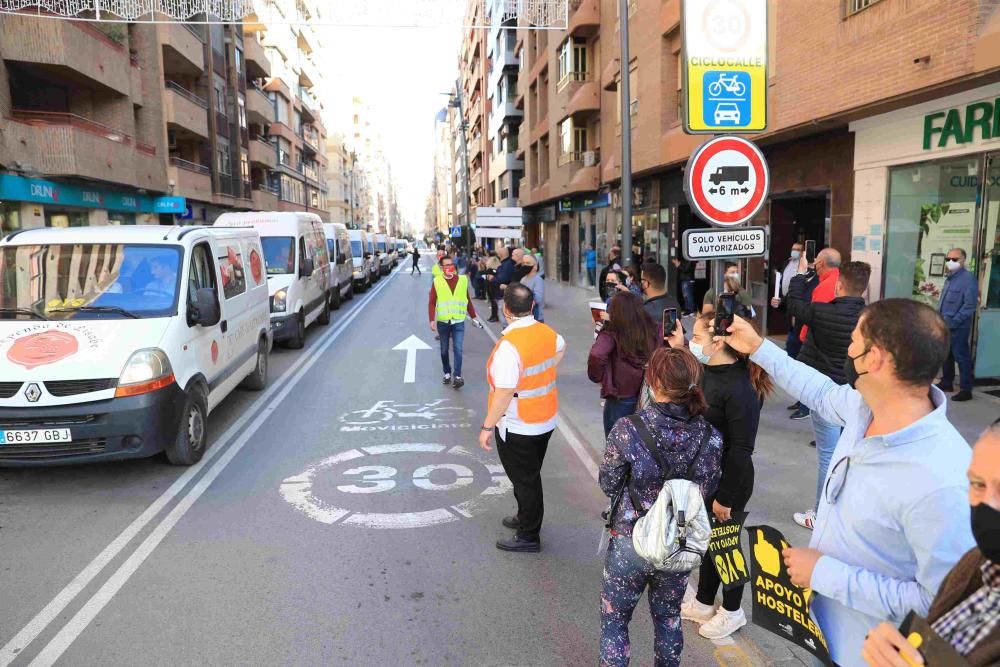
[964, 580]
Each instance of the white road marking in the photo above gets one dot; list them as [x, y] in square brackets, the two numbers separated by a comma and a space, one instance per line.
[411, 345]
[267, 403]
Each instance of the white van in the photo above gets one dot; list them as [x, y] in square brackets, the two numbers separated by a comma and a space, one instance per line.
[401, 248]
[338, 248]
[385, 260]
[117, 342]
[363, 260]
[298, 271]
[376, 265]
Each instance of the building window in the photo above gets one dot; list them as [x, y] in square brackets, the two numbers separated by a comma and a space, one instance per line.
[281, 108]
[238, 61]
[242, 111]
[224, 163]
[244, 167]
[572, 61]
[220, 96]
[10, 217]
[855, 6]
[572, 142]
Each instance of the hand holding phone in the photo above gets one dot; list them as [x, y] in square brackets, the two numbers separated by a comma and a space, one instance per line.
[810, 252]
[724, 312]
[669, 322]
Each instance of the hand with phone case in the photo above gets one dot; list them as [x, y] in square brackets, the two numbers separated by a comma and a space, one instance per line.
[724, 311]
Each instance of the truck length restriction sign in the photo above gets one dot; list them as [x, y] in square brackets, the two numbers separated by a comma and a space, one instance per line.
[699, 244]
[726, 181]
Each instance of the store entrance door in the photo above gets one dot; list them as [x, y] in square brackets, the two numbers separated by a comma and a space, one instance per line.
[564, 261]
[988, 258]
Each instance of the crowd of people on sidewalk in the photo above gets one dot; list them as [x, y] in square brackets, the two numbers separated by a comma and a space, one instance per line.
[905, 517]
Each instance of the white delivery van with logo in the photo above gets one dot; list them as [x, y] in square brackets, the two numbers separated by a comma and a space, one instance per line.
[298, 271]
[338, 248]
[363, 260]
[117, 342]
[385, 260]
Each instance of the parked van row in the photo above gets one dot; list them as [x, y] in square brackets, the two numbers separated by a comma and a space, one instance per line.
[118, 342]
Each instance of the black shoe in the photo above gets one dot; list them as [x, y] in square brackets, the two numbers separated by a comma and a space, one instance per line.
[511, 522]
[812, 443]
[962, 396]
[944, 387]
[493, 319]
[799, 414]
[518, 544]
[458, 382]
[794, 406]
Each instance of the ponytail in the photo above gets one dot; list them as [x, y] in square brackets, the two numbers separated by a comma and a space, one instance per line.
[676, 374]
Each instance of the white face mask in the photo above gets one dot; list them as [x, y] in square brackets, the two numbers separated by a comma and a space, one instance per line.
[953, 265]
[698, 350]
[734, 277]
[796, 254]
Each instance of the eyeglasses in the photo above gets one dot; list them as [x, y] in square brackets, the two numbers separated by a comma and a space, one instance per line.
[836, 479]
[954, 259]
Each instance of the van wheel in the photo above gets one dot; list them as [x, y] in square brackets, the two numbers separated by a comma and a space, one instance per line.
[324, 316]
[192, 434]
[298, 341]
[335, 298]
[258, 379]
[350, 291]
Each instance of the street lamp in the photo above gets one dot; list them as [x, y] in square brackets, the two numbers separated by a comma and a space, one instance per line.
[626, 105]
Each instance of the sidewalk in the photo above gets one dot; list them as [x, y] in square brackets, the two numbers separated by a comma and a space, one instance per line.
[785, 464]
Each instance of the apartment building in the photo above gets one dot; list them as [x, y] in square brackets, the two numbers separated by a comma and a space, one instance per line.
[506, 167]
[474, 72]
[347, 198]
[442, 197]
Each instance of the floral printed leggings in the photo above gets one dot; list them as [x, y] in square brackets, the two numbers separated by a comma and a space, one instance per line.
[626, 575]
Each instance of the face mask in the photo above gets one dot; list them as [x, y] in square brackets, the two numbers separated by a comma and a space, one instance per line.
[986, 530]
[796, 254]
[698, 351]
[953, 265]
[733, 277]
[449, 271]
[851, 373]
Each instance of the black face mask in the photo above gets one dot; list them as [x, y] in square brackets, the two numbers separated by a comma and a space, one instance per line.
[986, 530]
[851, 373]
[520, 271]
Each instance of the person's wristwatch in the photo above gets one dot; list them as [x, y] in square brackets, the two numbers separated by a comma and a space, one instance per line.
[486, 428]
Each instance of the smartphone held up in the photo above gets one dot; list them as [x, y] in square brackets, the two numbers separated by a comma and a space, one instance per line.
[725, 310]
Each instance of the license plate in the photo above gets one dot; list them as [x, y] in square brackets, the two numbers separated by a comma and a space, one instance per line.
[30, 436]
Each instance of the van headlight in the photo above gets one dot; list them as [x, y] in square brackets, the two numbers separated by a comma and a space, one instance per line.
[358, 273]
[145, 371]
[279, 302]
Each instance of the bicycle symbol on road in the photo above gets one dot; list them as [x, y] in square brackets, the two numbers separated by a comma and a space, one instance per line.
[384, 411]
[729, 84]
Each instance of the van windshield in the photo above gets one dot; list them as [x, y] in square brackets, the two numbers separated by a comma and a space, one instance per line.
[356, 248]
[88, 281]
[382, 246]
[279, 254]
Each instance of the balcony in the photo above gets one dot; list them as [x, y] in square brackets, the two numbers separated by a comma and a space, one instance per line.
[585, 98]
[310, 140]
[584, 18]
[260, 108]
[264, 199]
[279, 129]
[191, 180]
[263, 153]
[308, 106]
[71, 49]
[258, 66]
[504, 163]
[183, 49]
[609, 74]
[185, 110]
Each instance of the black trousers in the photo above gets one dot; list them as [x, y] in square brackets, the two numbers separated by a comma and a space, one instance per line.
[491, 294]
[522, 457]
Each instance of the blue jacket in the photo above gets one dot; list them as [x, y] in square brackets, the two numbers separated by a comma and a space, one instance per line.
[959, 299]
[505, 274]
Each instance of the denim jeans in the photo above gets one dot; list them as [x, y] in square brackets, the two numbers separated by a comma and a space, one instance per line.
[455, 332]
[687, 292]
[827, 435]
[615, 409]
[961, 354]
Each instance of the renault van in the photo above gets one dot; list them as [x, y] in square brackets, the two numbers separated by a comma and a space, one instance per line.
[376, 266]
[382, 251]
[298, 270]
[363, 261]
[118, 342]
[338, 248]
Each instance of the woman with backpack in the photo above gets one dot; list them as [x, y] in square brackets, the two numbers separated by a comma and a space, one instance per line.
[735, 389]
[676, 434]
[618, 357]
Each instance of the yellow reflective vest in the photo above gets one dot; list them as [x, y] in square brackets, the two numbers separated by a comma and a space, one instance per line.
[452, 306]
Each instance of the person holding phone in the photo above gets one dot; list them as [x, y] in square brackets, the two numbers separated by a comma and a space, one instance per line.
[619, 355]
[615, 283]
[735, 389]
[733, 283]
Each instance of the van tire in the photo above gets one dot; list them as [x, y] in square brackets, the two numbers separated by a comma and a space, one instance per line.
[324, 316]
[298, 341]
[192, 432]
[350, 291]
[257, 380]
[335, 298]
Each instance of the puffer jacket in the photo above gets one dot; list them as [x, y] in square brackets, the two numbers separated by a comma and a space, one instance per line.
[679, 437]
[830, 326]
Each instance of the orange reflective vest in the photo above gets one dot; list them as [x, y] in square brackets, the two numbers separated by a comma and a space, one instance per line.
[537, 396]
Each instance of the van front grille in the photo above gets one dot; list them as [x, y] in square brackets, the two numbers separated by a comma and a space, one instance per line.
[9, 389]
[62, 388]
[52, 451]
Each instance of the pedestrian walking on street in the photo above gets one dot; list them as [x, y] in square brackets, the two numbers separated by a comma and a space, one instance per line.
[959, 300]
[492, 288]
[533, 281]
[735, 389]
[825, 349]
[966, 611]
[890, 520]
[685, 441]
[590, 258]
[522, 410]
[447, 308]
[618, 358]
[416, 261]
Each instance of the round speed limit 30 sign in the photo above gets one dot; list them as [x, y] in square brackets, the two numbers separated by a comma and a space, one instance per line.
[726, 181]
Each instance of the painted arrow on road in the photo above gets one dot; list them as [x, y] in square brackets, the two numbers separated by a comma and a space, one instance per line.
[411, 345]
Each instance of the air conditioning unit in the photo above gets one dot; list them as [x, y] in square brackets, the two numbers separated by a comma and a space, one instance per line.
[589, 158]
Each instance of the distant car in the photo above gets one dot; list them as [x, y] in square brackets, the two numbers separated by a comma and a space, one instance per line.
[727, 112]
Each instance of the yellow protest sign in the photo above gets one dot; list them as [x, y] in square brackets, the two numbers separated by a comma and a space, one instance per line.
[725, 553]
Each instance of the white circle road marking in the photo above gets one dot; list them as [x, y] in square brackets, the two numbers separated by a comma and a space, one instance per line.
[297, 490]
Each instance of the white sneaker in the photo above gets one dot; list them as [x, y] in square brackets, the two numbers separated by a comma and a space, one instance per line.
[805, 519]
[723, 624]
[697, 612]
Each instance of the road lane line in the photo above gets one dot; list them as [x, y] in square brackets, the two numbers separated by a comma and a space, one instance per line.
[575, 441]
[53, 609]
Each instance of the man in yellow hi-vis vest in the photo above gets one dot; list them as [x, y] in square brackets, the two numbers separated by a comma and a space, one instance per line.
[447, 308]
[522, 409]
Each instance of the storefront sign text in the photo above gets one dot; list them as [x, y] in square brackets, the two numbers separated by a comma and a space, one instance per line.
[16, 188]
[960, 126]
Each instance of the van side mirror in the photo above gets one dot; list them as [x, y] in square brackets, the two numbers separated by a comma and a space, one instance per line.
[341, 258]
[205, 310]
[306, 268]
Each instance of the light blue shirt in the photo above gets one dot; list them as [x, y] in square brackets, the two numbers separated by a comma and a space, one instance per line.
[901, 520]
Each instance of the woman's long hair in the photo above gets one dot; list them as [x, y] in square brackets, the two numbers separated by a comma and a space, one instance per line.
[761, 382]
[675, 374]
[635, 331]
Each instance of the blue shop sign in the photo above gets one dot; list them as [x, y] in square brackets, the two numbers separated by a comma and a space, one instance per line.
[585, 204]
[40, 191]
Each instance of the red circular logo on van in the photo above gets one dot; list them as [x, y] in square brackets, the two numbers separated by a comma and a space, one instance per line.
[43, 348]
[215, 351]
[256, 266]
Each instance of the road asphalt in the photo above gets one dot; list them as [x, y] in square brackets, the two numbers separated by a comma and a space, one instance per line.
[344, 516]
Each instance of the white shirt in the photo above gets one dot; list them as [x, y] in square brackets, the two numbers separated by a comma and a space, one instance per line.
[506, 373]
[789, 272]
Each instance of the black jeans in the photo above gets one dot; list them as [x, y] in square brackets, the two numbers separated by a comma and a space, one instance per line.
[491, 293]
[521, 457]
